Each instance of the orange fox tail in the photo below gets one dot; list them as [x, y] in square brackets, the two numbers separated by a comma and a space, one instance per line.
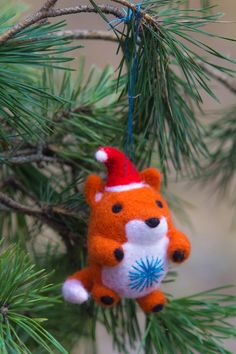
[77, 287]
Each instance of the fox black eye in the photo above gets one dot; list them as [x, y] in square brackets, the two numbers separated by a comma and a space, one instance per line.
[116, 208]
[159, 203]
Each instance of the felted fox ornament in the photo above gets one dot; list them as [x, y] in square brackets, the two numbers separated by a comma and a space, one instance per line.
[131, 237]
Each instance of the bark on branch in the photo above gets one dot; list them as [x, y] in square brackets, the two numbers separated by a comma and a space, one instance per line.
[48, 5]
[47, 216]
[20, 160]
[88, 34]
[17, 207]
[48, 12]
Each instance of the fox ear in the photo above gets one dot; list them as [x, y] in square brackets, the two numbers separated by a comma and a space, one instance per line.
[93, 190]
[152, 177]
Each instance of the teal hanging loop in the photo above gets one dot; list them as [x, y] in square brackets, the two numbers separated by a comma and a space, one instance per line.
[132, 77]
[132, 72]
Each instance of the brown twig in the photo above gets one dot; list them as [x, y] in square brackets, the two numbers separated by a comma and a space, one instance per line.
[48, 5]
[23, 156]
[106, 9]
[50, 12]
[66, 114]
[16, 184]
[45, 215]
[31, 211]
[75, 35]
[87, 34]
[226, 80]
[19, 160]
[15, 206]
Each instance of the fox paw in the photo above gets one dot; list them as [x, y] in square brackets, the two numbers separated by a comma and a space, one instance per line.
[119, 254]
[179, 256]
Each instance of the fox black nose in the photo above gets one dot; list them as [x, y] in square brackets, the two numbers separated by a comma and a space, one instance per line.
[152, 222]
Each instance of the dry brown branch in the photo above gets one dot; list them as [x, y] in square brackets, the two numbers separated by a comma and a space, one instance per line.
[66, 114]
[75, 35]
[50, 12]
[18, 186]
[19, 160]
[46, 215]
[47, 11]
[17, 207]
[88, 34]
[48, 5]
[106, 9]
[31, 211]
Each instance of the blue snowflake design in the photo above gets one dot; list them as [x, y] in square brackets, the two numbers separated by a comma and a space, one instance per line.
[145, 273]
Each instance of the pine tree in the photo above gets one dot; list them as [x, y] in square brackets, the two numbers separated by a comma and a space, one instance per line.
[51, 122]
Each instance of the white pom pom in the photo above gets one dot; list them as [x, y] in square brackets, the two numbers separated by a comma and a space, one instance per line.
[101, 156]
[74, 292]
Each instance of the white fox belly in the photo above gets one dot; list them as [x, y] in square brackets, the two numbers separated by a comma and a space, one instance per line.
[141, 270]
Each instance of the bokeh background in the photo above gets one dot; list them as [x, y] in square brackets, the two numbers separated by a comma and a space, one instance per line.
[212, 233]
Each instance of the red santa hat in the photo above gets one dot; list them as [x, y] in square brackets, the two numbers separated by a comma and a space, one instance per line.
[121, 173]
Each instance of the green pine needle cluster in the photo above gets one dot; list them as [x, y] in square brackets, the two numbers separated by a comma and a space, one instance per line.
[19, 89]
[193, 324]
[221, 167]
[168, 59]
[24, 295]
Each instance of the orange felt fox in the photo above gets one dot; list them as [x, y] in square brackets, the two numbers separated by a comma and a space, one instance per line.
[131, 237]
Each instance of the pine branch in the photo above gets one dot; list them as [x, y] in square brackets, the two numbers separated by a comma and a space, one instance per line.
[45, 212]
[163, 108]
[19, 160]
[145, 16]
[82, 109]
[18, 186]
[192, 324]
[52, 216]
[106, 9]
[220, 168]
[74, 35]
[48, 5]
[47, 12]
[23, 298]
[226, 80]
[198, 323]
[17, 207]
[88, 34]
[60, 120]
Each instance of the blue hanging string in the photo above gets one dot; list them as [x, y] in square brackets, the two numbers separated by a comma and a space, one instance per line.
[132, 74]
[132, 77]
[127, 18]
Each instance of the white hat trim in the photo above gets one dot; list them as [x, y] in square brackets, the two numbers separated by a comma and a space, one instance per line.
[125, 187]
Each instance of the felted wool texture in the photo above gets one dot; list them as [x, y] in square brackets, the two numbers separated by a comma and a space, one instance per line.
[99, 291]
[152, 177]
[145, 261]
[127, 230]
[178, 241]
[74, 291]
[120, 169]
[136, 204]
[148, 302]
[85, 276]
[102, 250]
